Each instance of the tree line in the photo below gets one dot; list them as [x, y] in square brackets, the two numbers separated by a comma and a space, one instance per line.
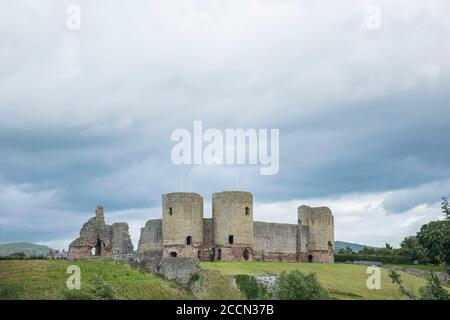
[431, 245]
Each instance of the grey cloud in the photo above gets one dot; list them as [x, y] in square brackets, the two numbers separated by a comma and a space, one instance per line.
[88, 114]
[406, 199]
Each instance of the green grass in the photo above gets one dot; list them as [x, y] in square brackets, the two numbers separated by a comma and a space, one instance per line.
[343, 281]
[44, 279]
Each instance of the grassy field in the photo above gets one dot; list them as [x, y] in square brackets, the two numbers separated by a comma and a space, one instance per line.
[343, 281]
[45, 279]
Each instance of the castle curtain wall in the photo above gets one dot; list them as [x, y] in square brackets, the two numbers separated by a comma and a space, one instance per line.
[274, 241]
[230, 235]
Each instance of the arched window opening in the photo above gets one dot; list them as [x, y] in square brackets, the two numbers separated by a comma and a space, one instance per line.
[230, 239]
[189, 240]
[98, 248]
[247, 211]
[173, 254]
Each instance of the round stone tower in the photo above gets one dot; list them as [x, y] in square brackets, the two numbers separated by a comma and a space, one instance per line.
[182, 224]
[319, 224]
[232, 213]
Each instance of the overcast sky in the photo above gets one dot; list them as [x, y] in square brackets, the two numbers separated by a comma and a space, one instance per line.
[86, 114]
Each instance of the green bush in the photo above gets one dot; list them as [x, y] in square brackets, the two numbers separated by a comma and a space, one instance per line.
[195, 277]
[102, 290]
[252, 290]
[433, 290]
[212, 285]
[11, 292]
[297, 286]
[397, 280]
[98, 289]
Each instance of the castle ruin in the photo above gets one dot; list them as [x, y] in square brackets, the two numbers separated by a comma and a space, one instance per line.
[230, 235]
[97, 239]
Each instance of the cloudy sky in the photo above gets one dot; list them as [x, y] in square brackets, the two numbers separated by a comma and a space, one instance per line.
[362, 102]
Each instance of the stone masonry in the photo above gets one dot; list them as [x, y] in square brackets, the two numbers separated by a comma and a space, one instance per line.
[230, 235]
[98, 239]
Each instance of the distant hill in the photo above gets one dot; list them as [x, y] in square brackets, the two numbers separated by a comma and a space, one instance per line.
[29, 249]
[342, 245]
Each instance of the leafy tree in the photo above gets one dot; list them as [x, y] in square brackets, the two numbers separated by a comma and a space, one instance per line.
[367, 251]
[411, 247]
[396, 279]
[435, 238]
[298, 286]
[433, 290]
[346, 250]
[445, 208]
[432, 243]
[251, 288]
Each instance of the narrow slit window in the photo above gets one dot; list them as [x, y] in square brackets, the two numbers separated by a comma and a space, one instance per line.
[230, 239]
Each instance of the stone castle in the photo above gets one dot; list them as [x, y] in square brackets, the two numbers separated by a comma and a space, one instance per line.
[230, 235]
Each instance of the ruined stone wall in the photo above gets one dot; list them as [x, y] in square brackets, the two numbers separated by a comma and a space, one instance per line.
[94, 234]
[317, 256]
[121, 241]
[179, 269]
[150, 247]
[99, 214]
[274, 241]
[98, 239]
[151, 237]
[302, 238]
[207, 250]
[208, 232]
[312, 240]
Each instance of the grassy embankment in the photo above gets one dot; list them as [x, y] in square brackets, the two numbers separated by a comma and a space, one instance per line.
[45, 279]
[343, 281]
